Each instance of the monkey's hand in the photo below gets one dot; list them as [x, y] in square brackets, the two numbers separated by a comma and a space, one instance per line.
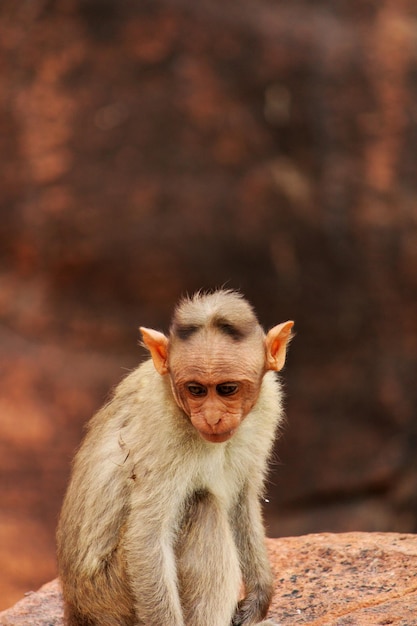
[252, 609]
[266, 622]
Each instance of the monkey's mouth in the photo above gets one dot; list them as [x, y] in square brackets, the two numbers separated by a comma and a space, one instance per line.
[217, 438]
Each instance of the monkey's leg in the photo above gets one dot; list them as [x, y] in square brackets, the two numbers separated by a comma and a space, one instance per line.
[73, 618]
[151, 565]
[100, 600]
[256, 570]
[208, 565]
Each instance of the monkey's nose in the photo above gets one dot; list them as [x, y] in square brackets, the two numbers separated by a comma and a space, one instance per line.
[213, 419]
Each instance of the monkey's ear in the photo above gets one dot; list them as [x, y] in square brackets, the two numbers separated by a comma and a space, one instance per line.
[276, 343]
[157, 345]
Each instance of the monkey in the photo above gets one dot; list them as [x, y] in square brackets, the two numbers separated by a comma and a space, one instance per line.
[161, 524]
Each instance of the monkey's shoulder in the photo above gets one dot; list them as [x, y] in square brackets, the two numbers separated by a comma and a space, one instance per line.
[141, 382]
[138, 392]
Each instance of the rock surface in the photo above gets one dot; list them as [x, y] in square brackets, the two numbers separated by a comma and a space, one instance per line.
[348, 579]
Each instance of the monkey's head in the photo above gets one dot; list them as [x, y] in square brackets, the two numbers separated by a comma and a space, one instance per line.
[216, 355]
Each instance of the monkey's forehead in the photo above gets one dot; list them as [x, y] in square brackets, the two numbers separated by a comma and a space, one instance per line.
[216, 360]
[215, 373]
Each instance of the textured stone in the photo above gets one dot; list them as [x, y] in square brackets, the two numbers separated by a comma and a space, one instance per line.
[39, 608]
[349, 579]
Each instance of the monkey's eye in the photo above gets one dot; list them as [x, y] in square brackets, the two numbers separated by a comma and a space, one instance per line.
[227, 389]
[196, 390]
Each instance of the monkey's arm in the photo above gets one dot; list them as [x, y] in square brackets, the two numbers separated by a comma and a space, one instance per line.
[148, 544]
[93, 513]
[256, 570]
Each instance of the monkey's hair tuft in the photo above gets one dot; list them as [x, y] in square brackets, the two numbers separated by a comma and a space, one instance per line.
[224, 309]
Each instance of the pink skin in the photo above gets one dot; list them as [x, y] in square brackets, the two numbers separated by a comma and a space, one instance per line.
[214, 415]
[216, 382]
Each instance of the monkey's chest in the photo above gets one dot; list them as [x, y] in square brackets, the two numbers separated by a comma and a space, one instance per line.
[216, 475]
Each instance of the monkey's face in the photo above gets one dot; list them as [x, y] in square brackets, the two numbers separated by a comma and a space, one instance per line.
[216, 409]
[216, 385]
[216, 374]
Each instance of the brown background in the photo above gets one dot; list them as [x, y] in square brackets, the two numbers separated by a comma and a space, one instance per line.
[152, 148]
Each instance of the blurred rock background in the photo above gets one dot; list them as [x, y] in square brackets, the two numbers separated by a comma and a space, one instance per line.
[152, 148]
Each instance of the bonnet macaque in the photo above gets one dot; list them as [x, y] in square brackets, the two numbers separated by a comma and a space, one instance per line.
[161, 524]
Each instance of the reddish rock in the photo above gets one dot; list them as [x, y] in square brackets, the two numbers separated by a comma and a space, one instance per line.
[350, 579]
[40, 608]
